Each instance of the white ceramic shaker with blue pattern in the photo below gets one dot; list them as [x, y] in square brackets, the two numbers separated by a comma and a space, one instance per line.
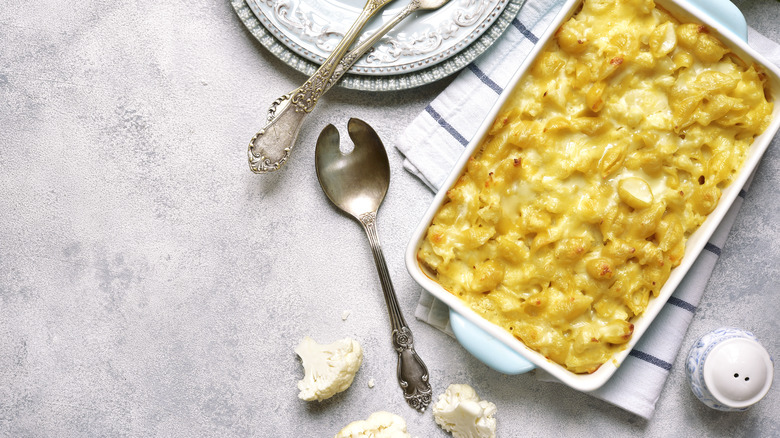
[729, 370]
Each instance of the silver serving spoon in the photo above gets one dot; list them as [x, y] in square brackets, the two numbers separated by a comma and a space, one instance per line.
[357, 183]
[270, 148]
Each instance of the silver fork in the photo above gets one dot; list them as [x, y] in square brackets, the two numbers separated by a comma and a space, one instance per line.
[270, 148]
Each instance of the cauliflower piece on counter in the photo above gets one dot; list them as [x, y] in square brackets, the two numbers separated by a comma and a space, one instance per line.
[461, 412]
[378, 425]
[328, 369]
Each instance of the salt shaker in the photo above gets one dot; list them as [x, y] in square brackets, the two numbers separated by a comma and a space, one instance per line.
[729, 370]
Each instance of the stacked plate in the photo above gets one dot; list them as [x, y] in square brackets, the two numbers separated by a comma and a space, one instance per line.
[427, 46]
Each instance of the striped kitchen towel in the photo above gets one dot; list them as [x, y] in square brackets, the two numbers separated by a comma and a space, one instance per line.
[434, 141]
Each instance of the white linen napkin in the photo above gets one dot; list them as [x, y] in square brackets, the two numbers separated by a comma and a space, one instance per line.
[434, 141]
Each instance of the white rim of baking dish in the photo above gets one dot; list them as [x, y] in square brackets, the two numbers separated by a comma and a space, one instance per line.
[732, 35]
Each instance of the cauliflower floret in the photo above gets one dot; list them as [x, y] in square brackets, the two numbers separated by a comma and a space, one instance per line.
[461, 412]
[378, 425]
[328, 369]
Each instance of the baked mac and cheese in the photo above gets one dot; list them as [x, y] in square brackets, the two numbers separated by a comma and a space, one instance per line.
[610, 152]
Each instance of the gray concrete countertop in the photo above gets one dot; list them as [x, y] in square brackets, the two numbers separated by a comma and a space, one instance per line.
[151, 285]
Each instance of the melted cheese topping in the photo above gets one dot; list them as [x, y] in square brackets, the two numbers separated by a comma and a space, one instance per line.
[610, 152]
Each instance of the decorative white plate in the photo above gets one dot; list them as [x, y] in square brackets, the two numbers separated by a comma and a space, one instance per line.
[426, 47]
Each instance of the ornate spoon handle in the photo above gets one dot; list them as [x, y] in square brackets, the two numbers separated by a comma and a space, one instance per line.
[412, 372]
[270, 148]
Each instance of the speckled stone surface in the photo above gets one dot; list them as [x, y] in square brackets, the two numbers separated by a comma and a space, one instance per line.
[151, 285]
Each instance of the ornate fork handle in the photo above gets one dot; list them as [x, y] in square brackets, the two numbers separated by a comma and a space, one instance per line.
[412, 373]
[270, 148]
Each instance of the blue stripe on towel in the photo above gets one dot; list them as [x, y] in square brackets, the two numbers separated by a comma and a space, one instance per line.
[524, 30]
[712, 248]
[447, 127]
[485, 79]
[651, 359]
[681, 304]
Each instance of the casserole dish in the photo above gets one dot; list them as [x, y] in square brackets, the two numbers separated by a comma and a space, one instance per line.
[495, 345]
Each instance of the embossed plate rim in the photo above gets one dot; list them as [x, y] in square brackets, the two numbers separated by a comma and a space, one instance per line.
[384, 82]
[425, 39]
